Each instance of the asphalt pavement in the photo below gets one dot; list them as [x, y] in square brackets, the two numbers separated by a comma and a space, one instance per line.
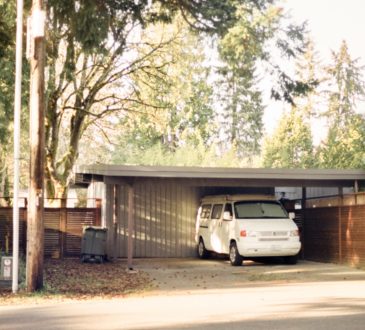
[324, 301]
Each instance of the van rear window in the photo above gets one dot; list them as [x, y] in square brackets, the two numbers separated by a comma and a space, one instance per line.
[259, 209]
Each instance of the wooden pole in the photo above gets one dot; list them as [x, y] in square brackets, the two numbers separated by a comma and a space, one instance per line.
[35, 229]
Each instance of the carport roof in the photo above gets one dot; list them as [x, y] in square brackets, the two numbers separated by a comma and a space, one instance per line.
[214, 176]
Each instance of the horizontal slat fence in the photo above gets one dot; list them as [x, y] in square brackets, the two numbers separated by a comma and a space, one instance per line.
[62, 229]
[6, 229]
[335, 234]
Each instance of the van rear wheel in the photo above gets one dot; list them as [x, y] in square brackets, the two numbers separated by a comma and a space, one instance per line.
[234, 257]
[203, 253]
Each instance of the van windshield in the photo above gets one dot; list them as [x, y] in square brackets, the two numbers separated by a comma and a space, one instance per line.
[259, 209]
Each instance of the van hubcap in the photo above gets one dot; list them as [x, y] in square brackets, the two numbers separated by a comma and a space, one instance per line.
[201, 248]
[232, 254]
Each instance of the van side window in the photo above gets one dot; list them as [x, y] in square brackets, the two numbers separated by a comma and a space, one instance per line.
[228, 208]
[205, 213]
[217, 211]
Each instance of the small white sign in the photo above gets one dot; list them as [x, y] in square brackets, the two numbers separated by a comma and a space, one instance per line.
[38, 23]
[6, 268]
[7, 271]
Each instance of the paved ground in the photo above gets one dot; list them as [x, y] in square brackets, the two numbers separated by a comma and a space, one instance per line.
[191, 275]
[193, 294]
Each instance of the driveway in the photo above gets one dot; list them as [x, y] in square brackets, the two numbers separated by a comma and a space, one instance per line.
[191, 275]
[195, 294]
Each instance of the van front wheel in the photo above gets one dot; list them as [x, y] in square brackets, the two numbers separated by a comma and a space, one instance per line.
[291, 260]
[203, 253]
[234, 257]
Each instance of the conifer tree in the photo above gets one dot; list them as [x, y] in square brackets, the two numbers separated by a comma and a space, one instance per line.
[344, 146]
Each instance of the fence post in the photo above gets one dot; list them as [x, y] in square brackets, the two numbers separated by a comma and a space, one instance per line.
[63, 227]
[340, 204]
[97, 212]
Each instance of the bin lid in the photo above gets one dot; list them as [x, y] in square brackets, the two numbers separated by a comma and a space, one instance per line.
[94, 228]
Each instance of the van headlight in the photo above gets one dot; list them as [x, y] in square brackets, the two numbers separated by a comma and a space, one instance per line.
[294, 233]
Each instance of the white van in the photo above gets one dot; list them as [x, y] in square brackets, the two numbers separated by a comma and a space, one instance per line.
[246, 226]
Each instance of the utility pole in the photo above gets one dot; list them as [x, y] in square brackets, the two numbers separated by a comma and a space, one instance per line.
[35, 225]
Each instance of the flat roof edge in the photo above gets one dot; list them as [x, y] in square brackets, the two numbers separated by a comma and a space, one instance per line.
[219, 173]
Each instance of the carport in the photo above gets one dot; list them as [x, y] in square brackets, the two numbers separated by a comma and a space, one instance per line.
[158, 204]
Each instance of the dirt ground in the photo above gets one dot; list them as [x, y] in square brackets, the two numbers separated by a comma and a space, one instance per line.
[173, 275]
[71, 279]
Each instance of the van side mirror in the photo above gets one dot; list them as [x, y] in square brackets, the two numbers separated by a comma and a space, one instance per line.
[292, 215]
[227, 216]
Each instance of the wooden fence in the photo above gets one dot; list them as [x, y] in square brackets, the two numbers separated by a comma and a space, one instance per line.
[62, 229]
[334, 234]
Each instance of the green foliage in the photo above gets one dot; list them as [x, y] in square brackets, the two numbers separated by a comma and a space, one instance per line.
[7, 69]
[7, 81]
[344, 146]
[174, 105]
[187, 155]
[291, 145]
[239, 99]
[97, 67]
[258, 33]
[346, 86]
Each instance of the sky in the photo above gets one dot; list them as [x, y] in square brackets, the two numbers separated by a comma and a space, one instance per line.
[329, 22]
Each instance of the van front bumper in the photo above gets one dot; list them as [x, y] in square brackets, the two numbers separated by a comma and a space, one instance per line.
[272, 249]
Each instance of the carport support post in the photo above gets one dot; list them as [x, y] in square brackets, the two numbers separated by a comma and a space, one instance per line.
[130, 225]
[115, 221]
[304, 202]
[356, 190]
[340, 204]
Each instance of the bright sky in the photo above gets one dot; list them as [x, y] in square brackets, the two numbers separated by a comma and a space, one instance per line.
[329, 22]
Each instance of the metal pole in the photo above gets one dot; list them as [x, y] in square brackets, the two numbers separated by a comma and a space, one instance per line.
[17, 109]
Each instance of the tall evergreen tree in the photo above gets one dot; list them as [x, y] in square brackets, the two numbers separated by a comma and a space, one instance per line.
[344, 146]
[175, 108]
[242, 49]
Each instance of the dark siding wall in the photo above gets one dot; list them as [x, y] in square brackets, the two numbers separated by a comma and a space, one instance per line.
[164, 219]
[335, 234]
[321, 240]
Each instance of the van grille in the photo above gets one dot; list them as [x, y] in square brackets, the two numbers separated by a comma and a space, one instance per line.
[273, 239]
[273, 233]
